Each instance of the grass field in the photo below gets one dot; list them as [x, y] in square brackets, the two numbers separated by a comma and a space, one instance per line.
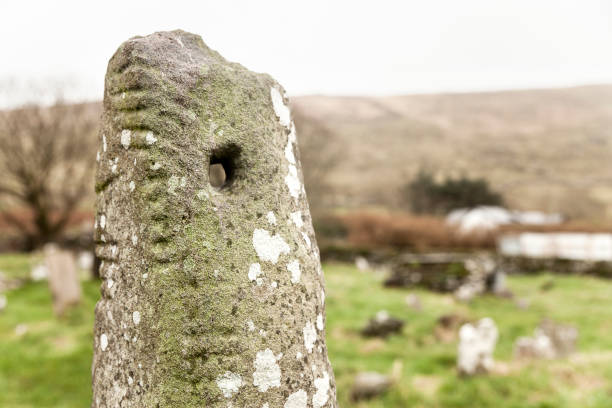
[45, 362]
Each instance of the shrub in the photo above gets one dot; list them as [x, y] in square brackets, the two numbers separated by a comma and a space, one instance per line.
[427, 196]
[420, 233]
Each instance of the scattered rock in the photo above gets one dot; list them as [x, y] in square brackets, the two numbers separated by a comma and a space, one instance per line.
[523, 303]
[538, 346]
[414, 302]
[548, 285]
[369, 384]
[362, 263]
[550, 340]
[447, 327]
[382, 325]
[466, 292]
[21, 329]
[39, 272]
[476, 347]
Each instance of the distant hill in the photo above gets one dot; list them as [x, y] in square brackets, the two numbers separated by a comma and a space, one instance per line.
[547, 149]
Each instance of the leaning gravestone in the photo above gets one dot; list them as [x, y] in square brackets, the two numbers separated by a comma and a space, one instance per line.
[212, 293]
[63, 279]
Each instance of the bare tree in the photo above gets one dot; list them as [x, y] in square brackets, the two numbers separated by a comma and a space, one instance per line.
[46, 163]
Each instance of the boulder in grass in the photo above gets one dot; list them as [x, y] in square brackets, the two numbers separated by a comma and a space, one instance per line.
[414, 302]
[550, 340]
[369, 385]
[382, 325]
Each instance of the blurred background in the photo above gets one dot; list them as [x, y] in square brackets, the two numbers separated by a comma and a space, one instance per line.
[457, 161]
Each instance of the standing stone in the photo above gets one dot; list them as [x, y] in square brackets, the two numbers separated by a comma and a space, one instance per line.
[212, 294]
[476, 347]
[63, 279]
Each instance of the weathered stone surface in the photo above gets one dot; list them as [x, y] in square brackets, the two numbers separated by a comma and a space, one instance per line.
[476, 347]
[63, 279]
[212, 295]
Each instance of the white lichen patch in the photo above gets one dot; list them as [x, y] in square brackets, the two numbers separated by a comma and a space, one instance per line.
[271, 217]
[321, 396]
[254, 273]
[280, 109]
[269, 247]
[251, 325]
[274, 284]
[134, 239]
[322, 296]
[103, 341]
[104, 143]
[320, 324]
[310, 336]
[98, 156]
[202, 195]
[306, 240]
[175, 182]
[110, 283]
[155, 166]
[132, 186]
[267, 372]
[299, 355]
[150, 138]
[298, 399]
[114, 164]
[293, 182]
[296, 217]
[136, 317]
[103, 221]
[289, 148]
[294, 268]
[229, 383]
[126, 138]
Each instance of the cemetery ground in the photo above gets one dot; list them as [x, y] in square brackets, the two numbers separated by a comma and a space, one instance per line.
[46, 362]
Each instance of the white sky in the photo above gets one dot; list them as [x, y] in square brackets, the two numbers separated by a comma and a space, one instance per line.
[329, 47]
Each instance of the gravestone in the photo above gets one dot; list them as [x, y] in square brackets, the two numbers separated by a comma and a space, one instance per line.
[212, 290]
[476, 347]
[63, 279]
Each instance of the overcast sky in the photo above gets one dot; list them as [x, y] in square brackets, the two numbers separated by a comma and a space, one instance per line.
[373, 47]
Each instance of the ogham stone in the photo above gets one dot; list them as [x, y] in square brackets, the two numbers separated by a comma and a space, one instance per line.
[212, 294]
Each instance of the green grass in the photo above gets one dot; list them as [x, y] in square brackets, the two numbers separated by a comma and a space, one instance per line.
[49, 365]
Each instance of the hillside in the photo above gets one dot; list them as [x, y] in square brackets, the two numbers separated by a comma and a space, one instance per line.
[542, 149]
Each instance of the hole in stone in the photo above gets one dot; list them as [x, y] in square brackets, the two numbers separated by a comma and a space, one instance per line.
[223, 166]
[217, 175]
